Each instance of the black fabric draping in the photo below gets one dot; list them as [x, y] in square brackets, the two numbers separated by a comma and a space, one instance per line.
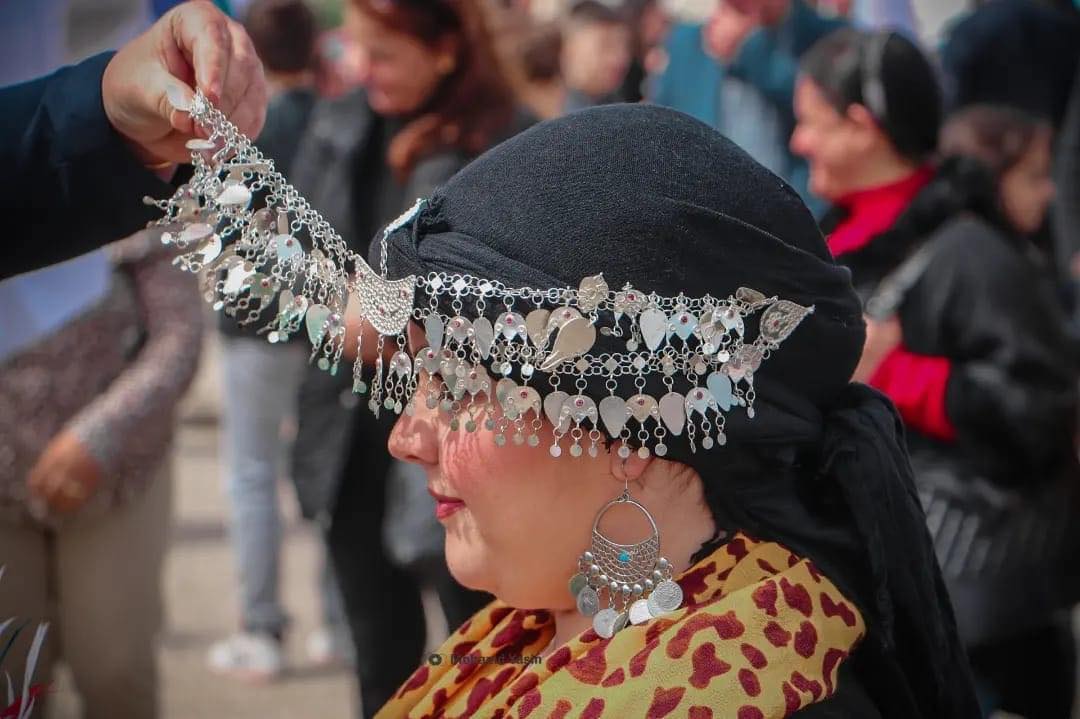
[652, 197]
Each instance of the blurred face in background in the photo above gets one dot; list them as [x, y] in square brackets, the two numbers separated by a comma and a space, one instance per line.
[840, 148]
[595, 57]
[1026, 189]
[400, 72]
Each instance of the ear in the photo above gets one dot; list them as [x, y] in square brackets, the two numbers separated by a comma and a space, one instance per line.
[629, 469]
[446, 55]
[863, 120]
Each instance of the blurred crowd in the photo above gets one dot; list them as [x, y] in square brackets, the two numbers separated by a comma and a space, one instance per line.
[904, 126]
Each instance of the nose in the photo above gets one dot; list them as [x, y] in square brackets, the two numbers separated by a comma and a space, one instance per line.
[415, 437]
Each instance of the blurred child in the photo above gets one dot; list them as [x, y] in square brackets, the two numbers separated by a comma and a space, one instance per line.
[596, 54]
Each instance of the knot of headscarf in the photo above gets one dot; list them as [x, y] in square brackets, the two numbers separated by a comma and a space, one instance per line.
[863, 457]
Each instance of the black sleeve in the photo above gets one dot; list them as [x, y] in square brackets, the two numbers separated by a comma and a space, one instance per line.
[1012, 387]
[68, 182]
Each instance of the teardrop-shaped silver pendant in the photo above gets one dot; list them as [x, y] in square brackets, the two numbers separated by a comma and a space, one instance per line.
[673, 412]
[434, 330]
[613, 413]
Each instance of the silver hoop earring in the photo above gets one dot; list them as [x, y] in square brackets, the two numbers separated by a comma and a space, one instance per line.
[635, 578]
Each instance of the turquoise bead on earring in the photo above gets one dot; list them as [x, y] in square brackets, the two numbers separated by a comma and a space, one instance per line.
[624, 557]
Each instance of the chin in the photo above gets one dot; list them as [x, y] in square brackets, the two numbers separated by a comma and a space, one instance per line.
[382, 103]
[467, 566]
[823, 189]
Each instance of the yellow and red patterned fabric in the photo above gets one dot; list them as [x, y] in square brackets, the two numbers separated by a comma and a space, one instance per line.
[761, 634]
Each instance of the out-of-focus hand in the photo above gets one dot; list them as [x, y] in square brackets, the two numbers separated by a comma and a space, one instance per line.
[192, 45]
[727, 28]
[65, 476]
[882, 337]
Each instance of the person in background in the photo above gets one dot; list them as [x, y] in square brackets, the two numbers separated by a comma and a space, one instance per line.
[1022, 54]
[261, 382]
[541, 88]
[649, 24]
[1015, 148]
[87, 416]
[433, 97]
[596, 54]
[758, 44]
[869, 111]
[966, 336]
[689, 78]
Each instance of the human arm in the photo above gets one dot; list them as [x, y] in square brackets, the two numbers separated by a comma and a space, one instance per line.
[126, 428]
[81, 146]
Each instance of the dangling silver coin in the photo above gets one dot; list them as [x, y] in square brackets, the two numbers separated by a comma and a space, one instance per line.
[577, 583]
[604, 622]
[667, 597]
[620, 622]
[588, 603]
[639, 612]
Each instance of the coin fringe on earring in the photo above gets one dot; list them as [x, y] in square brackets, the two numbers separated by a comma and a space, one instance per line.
[637, 580]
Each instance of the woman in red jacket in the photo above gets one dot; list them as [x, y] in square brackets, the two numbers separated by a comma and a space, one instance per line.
[967, 338]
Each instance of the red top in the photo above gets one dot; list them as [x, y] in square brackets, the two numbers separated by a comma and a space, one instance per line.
[872, 211]
[915, 383]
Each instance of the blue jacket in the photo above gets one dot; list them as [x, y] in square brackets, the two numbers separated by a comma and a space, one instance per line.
[768, 61]
[68, 181]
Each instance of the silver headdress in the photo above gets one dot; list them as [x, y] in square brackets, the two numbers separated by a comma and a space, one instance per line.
[489, 344]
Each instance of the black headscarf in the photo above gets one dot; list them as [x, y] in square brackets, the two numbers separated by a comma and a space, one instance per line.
[655, 198]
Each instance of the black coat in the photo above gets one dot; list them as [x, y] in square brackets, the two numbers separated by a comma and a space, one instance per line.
[987, 302]
[69, 183]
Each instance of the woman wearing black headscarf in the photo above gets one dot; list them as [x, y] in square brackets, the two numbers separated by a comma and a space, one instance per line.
[801, 548]
[787, 571]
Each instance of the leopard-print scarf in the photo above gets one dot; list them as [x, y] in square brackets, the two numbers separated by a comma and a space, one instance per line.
[761, 635]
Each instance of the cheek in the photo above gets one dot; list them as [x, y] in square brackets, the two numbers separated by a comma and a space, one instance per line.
[525, 524]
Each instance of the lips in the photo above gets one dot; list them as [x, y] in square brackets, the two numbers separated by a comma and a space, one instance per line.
[444, 505]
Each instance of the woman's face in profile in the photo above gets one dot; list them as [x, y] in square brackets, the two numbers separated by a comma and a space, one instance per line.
[835, 145]
[516, 518]
[401, 73]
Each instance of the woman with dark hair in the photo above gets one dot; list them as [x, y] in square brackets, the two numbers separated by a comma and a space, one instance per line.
[965, 336]
[433, 96]
[620, 350]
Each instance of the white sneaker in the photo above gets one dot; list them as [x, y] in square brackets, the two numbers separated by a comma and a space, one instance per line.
[325, 648]
[251, 657]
